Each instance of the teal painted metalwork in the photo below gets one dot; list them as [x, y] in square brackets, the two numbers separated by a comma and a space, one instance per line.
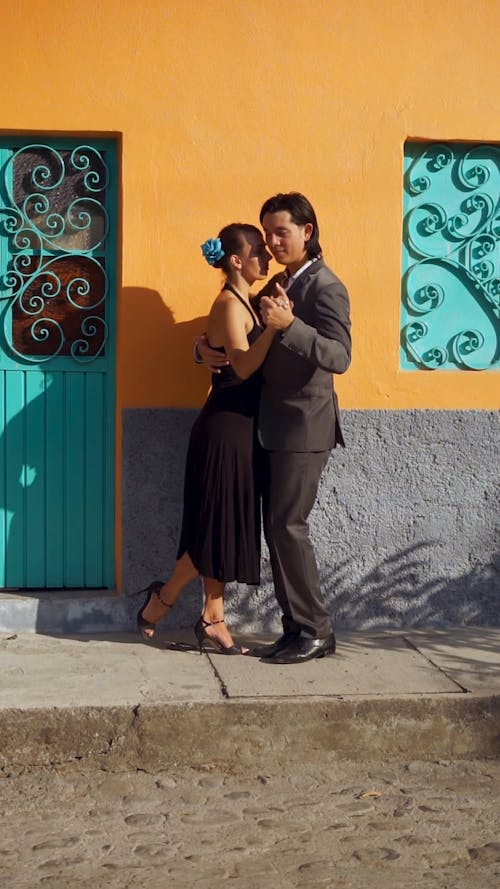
[450, 316]
[58, 265]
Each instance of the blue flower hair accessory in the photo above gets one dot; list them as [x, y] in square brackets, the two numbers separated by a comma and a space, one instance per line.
[212, 250]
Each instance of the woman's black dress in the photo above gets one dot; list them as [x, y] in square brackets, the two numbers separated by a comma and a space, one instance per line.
[221, 517]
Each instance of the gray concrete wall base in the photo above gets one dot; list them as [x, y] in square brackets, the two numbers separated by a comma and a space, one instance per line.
[406, 529]
[66, 612]
[257, 734]
[406, 526]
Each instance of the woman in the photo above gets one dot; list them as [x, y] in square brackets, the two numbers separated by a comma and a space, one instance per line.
[220, 536]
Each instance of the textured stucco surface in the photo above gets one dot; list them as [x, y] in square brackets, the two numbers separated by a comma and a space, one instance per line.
[406, 525]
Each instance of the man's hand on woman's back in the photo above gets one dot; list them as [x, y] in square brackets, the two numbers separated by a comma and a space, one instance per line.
[211, 358]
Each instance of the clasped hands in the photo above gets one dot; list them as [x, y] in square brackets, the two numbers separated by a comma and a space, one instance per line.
[276, 311]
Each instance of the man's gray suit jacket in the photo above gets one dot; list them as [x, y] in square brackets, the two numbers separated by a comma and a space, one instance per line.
[299, 408]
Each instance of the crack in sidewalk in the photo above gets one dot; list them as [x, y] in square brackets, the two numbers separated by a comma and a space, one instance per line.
[441, 670]
[222, 684]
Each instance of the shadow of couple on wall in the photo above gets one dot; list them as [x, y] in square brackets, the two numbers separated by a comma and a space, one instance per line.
[161, 350]
[163, 393]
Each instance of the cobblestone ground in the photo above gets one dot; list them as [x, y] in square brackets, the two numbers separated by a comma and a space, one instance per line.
[419, 824]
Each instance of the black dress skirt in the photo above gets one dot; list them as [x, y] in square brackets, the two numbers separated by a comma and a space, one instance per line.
[221, 515]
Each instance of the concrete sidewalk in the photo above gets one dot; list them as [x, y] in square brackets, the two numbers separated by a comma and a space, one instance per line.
[119, 703]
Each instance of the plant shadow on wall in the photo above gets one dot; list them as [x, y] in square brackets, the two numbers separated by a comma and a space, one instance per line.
[396, 593]
[399, 592]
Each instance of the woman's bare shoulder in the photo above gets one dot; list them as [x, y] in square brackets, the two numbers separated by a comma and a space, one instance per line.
[224, 301]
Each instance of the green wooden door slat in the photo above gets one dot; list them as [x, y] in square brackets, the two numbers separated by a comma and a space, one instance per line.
[15, 455]
[3, 493]
[74, 480]
[109, 488]
[54, 480]
[35, 479]
[94, 475]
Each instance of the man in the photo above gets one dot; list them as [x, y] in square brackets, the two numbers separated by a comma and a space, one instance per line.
[298, 418]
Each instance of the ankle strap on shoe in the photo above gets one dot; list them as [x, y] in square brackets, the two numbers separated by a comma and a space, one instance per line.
[166, 604]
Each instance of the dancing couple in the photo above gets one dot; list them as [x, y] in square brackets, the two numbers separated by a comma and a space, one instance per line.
[265, 433]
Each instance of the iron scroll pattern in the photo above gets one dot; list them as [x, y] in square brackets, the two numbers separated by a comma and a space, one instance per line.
[55, 219]
[451, 252]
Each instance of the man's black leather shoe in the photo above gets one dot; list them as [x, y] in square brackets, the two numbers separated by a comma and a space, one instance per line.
[269, 651]
[305, 649]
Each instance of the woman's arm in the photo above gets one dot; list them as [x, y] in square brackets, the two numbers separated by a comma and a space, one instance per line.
[228, 322]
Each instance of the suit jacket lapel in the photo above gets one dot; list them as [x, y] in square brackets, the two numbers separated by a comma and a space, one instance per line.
[300, 287]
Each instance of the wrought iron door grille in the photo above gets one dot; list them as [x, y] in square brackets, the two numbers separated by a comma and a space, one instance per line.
[56, 219]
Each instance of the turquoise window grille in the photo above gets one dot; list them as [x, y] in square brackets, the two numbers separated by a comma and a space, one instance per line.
[450, 317]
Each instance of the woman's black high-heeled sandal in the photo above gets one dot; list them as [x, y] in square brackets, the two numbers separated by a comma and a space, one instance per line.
[143, 624]
[201, 635]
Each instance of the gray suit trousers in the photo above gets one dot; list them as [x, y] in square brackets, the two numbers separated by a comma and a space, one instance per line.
[290, 489]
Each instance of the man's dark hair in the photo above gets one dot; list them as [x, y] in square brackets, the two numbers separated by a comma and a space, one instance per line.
[301, 212]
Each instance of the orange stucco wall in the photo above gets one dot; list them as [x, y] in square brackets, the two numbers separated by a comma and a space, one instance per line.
[222, 103]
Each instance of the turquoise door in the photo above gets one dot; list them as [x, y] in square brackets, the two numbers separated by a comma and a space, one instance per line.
[58, 241]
